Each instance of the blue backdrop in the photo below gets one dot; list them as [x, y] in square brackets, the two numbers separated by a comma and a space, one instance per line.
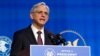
[82, 16]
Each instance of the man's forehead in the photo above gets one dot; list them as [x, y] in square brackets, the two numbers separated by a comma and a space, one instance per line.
[42, 8]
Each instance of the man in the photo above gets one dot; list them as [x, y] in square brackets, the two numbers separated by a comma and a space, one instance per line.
[35, 34]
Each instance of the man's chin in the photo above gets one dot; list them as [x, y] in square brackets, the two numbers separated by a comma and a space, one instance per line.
[41, 25]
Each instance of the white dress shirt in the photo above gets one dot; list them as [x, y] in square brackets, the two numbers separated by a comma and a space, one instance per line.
[35, 30]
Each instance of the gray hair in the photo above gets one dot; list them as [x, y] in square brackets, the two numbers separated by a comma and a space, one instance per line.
[39, 4]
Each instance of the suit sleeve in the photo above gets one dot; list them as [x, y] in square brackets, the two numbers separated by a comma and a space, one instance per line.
[16, 45]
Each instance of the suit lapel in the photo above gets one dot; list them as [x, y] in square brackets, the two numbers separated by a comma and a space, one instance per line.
[31, 36]
[47, 38]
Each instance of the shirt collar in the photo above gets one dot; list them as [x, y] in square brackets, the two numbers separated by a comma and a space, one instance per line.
[35, 30]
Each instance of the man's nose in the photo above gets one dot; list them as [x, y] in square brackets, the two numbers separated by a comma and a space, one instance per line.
[43, 14]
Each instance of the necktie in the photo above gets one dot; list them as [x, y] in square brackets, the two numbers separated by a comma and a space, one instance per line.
[39, 40]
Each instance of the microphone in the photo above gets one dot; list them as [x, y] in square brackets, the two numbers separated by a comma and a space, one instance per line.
[57, 39]
[53, 39]
[60, 39]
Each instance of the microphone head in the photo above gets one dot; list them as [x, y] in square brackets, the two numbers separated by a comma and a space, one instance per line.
[60, 39]
[53, 39]
[58, 36]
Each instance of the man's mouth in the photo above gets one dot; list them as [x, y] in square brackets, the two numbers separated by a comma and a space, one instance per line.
[42, 19]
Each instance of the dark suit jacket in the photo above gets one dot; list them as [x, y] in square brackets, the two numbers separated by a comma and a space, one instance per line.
[22, 40]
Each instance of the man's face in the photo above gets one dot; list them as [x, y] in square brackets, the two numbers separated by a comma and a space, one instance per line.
[40, 16]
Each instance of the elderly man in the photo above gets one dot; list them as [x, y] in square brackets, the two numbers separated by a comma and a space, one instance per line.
[35, 34]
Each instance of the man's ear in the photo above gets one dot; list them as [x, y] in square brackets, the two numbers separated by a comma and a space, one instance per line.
[31, 16]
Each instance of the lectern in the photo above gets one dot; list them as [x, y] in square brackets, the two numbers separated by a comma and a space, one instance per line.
[53, 50]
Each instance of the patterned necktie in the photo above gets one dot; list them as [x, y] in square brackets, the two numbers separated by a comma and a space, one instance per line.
[39, 40]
